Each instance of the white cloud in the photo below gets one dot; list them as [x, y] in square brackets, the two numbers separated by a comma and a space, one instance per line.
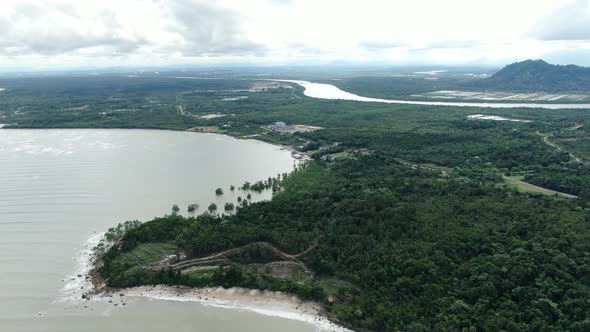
[47, 33]
[569, 22]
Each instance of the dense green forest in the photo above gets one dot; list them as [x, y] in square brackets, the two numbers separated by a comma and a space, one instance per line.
[409, 225]
[538, 75]
[412, 251]
[527, 76]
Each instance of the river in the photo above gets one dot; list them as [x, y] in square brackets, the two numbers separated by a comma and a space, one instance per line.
[58, 188]
[328, 91]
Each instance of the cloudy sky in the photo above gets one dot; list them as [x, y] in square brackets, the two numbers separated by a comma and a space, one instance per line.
[37, 34]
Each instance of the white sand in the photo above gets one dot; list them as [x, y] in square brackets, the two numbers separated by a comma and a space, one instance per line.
[276, 304]
[268, 303]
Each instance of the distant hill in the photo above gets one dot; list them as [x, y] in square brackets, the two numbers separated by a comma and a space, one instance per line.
[538, 75]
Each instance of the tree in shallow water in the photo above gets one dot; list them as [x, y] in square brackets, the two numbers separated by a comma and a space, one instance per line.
[212, 207]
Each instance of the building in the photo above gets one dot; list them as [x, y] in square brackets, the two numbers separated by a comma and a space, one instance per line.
[280, 126]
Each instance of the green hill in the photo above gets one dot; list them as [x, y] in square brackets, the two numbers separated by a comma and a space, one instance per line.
[538, 75]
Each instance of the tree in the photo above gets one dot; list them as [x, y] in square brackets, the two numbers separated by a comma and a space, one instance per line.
[193, 207]
[232, 188]
[175, 208]
[212, 207]
[218, 191]
[229, 206]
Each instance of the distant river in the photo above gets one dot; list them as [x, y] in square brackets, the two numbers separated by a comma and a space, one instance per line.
[328, 91]
[59, 187]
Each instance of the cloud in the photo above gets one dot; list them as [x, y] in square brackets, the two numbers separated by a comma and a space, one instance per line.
[207, 30]
[380, 45]
[455, 44]
[50, 33]
[191, 28]
[40, 28]
[281, 2]
[579, 56]
[570, 22]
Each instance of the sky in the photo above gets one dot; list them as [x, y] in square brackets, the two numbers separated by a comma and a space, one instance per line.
[46, 34]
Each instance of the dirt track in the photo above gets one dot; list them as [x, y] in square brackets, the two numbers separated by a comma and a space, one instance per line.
[222, 256]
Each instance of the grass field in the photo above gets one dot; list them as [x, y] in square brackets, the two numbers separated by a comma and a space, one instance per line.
[148, 253]
[516, 182]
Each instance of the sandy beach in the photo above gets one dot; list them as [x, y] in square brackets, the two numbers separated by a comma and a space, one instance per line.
[276, 304]
[85, 285]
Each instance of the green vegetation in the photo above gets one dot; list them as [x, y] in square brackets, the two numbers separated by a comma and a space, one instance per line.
[410, 225]
[218, 191]
[573, 179]
[192, 207]
[538, 75]
[417, 251]
[398, 87]
[212, 207]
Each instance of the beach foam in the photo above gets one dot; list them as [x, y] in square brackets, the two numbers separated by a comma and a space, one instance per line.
[276, 304]
[79, 282]
[268, 303]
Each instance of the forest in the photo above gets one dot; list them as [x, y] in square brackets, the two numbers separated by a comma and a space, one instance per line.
[410, 224]
[410, 250]
[538, 75]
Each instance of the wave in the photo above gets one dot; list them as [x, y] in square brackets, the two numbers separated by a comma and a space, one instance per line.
[275, 304]
[80, 282]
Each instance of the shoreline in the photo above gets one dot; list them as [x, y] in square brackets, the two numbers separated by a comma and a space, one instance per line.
[286, 147]
[267, 303]
[329, 91]
[86, 284]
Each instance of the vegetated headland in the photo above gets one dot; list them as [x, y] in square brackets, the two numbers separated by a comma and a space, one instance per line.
[407, 217]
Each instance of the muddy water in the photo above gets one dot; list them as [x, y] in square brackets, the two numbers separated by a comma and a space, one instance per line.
[59, 187]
